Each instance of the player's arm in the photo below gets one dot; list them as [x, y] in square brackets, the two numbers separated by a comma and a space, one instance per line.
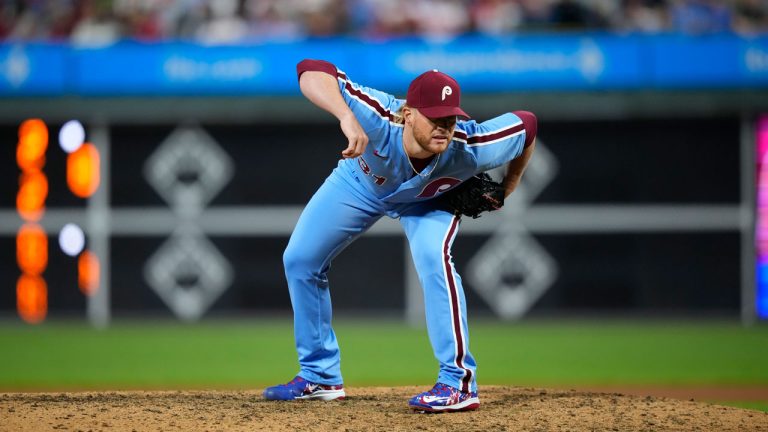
[319, 85]
[516, 166]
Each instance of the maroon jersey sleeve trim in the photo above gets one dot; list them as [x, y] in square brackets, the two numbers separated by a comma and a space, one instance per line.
[315, 65]
[371, 102]
[330, 69]
[530, 124]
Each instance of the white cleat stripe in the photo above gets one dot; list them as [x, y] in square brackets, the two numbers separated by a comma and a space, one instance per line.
[326, 395]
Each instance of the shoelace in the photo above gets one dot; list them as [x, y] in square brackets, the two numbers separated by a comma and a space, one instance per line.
[296, 380]
[437, 389]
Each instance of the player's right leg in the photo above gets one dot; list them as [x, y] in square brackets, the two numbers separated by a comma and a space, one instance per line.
[333, 218]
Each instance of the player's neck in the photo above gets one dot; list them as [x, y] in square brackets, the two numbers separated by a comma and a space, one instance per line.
[412, 148]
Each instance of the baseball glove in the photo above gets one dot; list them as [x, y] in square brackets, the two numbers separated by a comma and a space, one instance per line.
[476, 195]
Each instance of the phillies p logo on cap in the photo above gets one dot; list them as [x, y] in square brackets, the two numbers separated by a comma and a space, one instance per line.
[435, 95]
[446, 91]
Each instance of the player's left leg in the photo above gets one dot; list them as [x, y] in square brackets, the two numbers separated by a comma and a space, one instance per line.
[430, 233]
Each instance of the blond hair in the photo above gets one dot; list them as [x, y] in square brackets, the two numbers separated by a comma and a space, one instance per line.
[397, 116]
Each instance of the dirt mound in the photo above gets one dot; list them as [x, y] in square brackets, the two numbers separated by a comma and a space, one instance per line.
[376, 408]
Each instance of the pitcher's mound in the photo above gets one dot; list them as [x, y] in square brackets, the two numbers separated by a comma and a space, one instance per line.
[373, 408]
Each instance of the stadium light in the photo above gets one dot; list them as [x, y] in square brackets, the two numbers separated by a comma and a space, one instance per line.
[32, 298]
[71, 239]
[32, 249]
[83, 170]
[30, 199]
[31, 239]
[71, 136]
[88, 272]
[33, 142]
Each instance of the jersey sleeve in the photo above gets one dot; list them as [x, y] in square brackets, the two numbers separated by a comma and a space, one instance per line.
[499, 140]
[374, 109]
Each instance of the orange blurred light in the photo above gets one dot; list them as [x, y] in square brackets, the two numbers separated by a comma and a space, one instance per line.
[32, 298]
[33, 142]
[83, 170]
[33, 190]
[32, 249]
[88, 272]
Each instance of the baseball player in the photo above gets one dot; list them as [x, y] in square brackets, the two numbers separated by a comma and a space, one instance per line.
[400, 156]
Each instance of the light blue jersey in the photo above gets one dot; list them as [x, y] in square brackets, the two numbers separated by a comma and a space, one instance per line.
[382, 182]
[384, 171]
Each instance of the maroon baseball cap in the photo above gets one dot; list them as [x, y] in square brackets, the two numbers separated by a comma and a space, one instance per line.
[435, 95]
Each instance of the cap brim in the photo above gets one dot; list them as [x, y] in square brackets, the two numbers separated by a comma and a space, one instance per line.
[443, 111]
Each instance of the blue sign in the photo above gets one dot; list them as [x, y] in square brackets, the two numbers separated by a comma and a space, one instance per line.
[31, 70]
[481, 64]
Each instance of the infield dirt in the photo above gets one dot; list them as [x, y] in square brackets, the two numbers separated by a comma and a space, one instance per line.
[366, 409]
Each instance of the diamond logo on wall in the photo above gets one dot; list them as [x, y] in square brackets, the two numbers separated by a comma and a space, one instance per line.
[189, 274]
[188, 169]
[511, 271]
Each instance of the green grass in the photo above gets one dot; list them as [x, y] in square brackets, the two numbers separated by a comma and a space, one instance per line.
[252, 354]
[753, 405]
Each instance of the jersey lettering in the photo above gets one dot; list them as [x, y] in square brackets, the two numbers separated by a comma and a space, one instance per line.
[438, 186]
[379, 180]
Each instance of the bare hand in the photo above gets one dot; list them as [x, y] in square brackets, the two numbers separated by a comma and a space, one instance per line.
[357, 139]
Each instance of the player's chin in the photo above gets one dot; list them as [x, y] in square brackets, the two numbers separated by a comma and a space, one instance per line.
[438, 145]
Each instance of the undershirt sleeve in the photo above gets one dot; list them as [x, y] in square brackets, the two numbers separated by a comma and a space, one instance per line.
[315, 65]
[530, 124]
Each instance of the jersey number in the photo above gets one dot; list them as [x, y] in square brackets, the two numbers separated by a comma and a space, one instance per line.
[379, 180]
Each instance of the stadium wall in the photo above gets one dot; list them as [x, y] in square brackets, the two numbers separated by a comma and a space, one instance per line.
[640, 199]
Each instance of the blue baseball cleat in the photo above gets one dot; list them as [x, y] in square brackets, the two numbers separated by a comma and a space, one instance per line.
[299, 388]
[444, 398]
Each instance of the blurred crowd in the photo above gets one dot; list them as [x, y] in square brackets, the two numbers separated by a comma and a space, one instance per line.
[233, 21]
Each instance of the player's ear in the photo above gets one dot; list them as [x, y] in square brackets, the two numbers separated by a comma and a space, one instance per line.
[408, 115]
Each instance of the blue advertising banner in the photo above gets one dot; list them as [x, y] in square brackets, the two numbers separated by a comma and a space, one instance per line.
[481, 64]
[31, 70]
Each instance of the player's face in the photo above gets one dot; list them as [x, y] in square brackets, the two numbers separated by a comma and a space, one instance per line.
[433, 134]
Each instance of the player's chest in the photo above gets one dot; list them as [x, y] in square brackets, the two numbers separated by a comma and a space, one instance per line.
[395, 179]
